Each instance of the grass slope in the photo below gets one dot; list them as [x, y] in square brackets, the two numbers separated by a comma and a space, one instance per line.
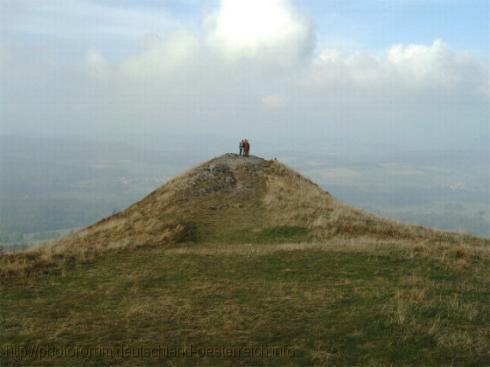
[342, 303]
[228, 200]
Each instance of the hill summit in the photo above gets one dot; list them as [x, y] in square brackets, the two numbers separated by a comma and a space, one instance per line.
[236, 199]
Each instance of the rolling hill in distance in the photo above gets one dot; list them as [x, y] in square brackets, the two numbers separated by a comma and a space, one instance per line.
[245, 255]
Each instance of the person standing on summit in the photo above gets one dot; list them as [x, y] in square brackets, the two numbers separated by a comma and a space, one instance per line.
[240, 147]
[246, 147]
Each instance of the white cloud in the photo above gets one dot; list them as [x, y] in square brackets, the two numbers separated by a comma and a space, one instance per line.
[273, 101]
[163, 57]
[432, 68]
[425, 63]
[96, 63]
[259, 27]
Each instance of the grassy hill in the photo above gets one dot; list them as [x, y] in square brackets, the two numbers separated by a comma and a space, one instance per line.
[243, 262]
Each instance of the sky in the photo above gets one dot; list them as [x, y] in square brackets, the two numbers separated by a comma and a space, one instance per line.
[409, 73]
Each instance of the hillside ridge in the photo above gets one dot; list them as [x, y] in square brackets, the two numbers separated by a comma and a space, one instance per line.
[230, 200]
[235, 199]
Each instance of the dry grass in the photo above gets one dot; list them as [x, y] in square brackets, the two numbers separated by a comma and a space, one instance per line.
[245, 195]
[457, 258]
[294, 200]
[418, 296]
[239, 200]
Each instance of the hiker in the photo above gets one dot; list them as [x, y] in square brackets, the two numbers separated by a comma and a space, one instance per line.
[246, 147]
[240, 147]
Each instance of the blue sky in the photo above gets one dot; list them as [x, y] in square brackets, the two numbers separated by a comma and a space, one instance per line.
[400, 71]
[378, 24]
[372, 25]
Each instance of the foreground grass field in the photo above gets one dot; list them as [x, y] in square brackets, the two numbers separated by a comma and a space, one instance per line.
[338, 303]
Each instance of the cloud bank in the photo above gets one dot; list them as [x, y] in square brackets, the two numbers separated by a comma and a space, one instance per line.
[256, 28]
[253, 67]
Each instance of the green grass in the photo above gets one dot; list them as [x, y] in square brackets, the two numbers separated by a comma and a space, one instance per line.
[331, 305]
[196, 232]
